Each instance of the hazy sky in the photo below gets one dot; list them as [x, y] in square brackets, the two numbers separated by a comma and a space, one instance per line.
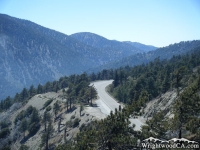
[152, 22]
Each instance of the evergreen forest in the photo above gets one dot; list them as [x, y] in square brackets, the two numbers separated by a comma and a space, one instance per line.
[132, 86]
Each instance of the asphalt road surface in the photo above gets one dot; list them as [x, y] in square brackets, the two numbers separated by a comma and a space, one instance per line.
[106, 103]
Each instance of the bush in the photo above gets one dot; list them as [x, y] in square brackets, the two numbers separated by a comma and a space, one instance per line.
[76, 122]
[72, 117]
[4, 132]
[48, 108]
[20, 116]
[4, 124]
[6, 148]
[23, 147]
[47, 103]
[34, 127]
[82, 127]
[29, 111]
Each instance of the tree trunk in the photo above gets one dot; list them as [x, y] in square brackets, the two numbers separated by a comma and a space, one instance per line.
[59, 122]
[45, 126]
[65, 131]
[91, 101]
[70, 104]
[47, 140]
[180, 134]
[109, 145]
[88, 100]
[24, 134]
[67, 105]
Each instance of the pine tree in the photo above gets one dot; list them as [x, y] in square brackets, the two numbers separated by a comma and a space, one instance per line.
[32, 91]
[46, 136]
[23, 126]
[46, 119]
[92, 94]
[24, 94]
[187, 107]
[81, 108]
[34, 124]
[56, 108]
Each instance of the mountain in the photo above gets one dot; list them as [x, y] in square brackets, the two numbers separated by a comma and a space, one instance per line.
[32, 54]
[144, 47]
[163, 53]
[117, 48]
[50, 116]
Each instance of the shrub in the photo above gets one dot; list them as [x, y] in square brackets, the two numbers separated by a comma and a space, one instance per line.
[23, 147]
[4, 132]
[82, 127]
[4, 124]
[76, 122]
[48, 108]
[34, 127]
[48, 102]
[20, 116]
[72, 117]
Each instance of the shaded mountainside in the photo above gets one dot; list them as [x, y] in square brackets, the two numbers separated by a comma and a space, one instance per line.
[29, 55]
[163, 53]
[32, 54]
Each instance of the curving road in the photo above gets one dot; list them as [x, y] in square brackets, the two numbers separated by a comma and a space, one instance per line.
[106, 103]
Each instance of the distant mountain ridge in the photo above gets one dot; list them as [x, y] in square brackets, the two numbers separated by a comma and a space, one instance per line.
[104, 44]
[144, 47]
[161, 53]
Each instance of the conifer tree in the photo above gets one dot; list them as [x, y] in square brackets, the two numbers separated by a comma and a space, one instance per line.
[23, 126]
[56, 108]
[46, 119]
[46, 136]
[81, 108]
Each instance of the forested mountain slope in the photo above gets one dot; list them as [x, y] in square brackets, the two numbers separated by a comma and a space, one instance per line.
[163, 53]
[137, 86]
[134, 86]
[32, 54]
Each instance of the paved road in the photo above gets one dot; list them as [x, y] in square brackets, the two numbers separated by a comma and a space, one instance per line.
[106, 103]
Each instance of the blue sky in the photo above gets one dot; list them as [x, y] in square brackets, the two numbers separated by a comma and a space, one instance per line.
[151, 22]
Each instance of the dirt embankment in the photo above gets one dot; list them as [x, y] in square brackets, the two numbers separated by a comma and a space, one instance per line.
[163, 102]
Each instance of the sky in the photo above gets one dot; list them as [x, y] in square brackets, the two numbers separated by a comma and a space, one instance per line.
[151, 22]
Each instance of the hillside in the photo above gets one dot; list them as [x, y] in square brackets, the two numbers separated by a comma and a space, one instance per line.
[163, 53]
[38, 101]
[32, 54]
[164, 94]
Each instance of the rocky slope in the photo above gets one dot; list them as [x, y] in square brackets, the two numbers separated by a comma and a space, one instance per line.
[33, 142]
